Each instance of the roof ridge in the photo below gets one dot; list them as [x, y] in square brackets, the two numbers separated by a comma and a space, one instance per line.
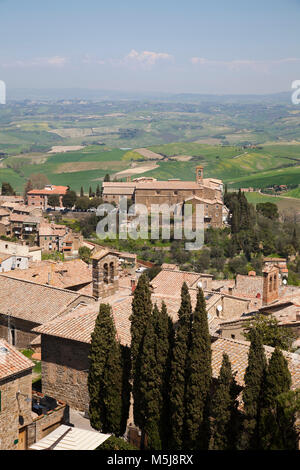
[77, 294]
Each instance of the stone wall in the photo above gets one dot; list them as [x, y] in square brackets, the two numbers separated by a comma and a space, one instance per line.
[15, 411]
[22, 331]
[65, 366]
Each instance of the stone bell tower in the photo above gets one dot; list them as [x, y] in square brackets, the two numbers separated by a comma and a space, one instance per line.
[199, 174]
[105, 271]
[270, 284]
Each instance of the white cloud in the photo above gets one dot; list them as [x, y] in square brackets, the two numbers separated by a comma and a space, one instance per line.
[239, 64]
[55, 61]
[144, 59]
[88, 59]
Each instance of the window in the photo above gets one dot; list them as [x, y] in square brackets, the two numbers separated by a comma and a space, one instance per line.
[232, 336]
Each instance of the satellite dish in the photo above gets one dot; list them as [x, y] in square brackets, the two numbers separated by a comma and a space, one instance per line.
[199, 284]
[219, 308]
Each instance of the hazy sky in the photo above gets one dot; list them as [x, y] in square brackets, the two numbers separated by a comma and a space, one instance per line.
[228, 46]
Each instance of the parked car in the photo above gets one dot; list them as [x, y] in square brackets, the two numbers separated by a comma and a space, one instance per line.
[141, 269]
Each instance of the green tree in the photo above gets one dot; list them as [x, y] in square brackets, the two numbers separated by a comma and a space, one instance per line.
[178, 376]
[53, 200]
[271, 333]
[268, 209]
[28, 187]
[141, 312]
[82, 203]
[98, 191]
[150, 387]
[105, 375]
[69, 199]
[106, 178]
[7, 189]
[81, 192]
[225, 416]
[198, 378]
[85, 254]
[277, 430]
[253, 392]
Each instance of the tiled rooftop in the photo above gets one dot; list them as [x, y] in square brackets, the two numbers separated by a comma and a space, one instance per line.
[12, 361]
[33, 302]
[58, 274]
[238, 355]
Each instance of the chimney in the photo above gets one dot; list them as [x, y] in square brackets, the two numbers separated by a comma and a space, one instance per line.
[199, 174]
[128, 179]
[270, 284]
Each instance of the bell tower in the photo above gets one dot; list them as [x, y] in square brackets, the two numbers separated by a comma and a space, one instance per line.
[199, 174]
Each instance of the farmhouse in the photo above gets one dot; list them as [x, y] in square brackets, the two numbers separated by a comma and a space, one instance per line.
[39, 197]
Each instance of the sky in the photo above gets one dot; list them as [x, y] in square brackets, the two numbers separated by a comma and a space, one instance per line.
[190, 46]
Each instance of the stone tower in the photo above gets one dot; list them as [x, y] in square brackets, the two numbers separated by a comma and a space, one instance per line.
[105, 273]
[199, 174]
[270, 284]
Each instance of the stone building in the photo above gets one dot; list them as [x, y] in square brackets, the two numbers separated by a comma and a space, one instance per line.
[15, 396]
[25, 305]
[39, 197]
[149, 191]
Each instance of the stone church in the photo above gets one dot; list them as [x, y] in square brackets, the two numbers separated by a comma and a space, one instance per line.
[149, 191]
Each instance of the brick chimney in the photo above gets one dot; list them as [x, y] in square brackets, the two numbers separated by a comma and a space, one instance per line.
[199, 174]
[270, 284]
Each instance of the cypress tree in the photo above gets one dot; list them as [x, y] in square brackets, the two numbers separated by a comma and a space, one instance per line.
[253, 391]
[150, 388]
[98, 192]
[198, 378]
[141, 312]
[105, 375]
[277, 432]
[81, 192]
[224, 410]
[178, 376]
[90, 192]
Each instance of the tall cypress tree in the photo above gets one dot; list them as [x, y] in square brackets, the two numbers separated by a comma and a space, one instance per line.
[177, 393]
[198, 378]
[98, 192]
[105, 375]
[277, 431]
[253, 392]
[150, 388]
[224, 410]
[81, 192]
[141, 312]
[164, 330]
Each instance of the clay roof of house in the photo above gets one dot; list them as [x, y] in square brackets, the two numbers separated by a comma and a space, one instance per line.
[4, 256]
[12, 361]
[4, 212]
[25, 218]
[100, 253]
[52, 229]
[79, 325]
[118, 190]
[238, 355]
[65, 274]
[61, 190]
[169, 281]
[34, 302]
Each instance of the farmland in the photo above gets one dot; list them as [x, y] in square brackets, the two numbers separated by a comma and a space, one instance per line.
[245, 145]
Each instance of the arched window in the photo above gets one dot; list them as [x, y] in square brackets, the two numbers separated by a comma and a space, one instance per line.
[111, 272]
[105, 273]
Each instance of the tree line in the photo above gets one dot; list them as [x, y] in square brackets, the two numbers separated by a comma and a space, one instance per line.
[177, 404]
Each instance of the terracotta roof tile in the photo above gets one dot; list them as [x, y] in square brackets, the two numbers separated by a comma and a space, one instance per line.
[238, 355]
[12, 361]
[33, 302]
